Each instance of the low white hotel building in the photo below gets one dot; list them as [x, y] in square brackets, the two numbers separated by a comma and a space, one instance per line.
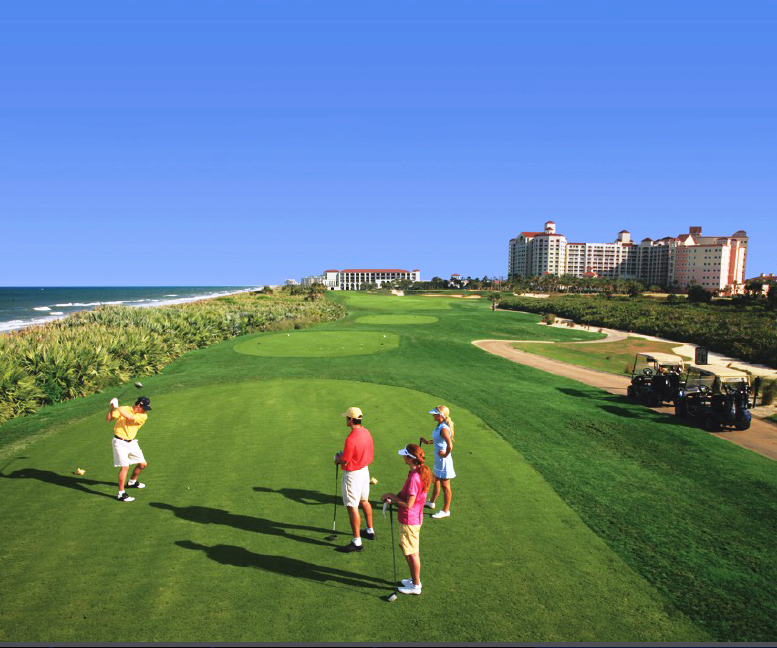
[354, 278]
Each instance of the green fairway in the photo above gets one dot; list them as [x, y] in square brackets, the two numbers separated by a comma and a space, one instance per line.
[395, 319]
[316, 344]
[577, 516]
[398, 304]
[615, 357]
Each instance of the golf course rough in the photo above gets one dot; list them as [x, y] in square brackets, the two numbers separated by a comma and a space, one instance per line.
[317, 344]
[396, 319]
[244, 535]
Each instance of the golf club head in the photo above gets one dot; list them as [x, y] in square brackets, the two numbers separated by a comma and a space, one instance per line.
[331, 537]
[392, 598]
[139, 385]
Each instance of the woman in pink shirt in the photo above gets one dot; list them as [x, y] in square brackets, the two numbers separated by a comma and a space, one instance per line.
[410, 513]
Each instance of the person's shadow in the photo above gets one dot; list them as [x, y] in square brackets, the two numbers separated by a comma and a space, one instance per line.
[240, 557]
[299, 495]
[206, 515]
[68, 481]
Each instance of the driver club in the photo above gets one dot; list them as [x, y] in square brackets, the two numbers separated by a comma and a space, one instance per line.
[139, 385]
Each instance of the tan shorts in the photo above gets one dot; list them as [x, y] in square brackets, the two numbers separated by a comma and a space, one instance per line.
[409, 538]
[127, 453]
[356, 486]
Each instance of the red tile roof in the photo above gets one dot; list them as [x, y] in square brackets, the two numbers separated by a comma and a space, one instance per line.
[372, 270]
[530, 234]
[331, 271]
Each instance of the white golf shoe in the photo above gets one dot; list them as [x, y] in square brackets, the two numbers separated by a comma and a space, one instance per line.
[429, 505]
[137, 484]
[408, 582]
[409, 590]
[125, 498]
[441, 514]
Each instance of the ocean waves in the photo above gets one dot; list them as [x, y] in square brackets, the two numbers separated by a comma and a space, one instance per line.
[18, 307]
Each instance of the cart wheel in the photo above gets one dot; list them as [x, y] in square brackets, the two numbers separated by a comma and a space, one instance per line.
[711, 423]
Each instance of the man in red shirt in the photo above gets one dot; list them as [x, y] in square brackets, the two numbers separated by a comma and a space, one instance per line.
[355, 460]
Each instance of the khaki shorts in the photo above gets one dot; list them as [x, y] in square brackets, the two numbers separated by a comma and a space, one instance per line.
[356, 486]
[409, 538]
[127, 453]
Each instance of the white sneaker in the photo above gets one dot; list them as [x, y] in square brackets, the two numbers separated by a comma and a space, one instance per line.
[441, 514]
[408, 582]
[409, 590]
[429, 505]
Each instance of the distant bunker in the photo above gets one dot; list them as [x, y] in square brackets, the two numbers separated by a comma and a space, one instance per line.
[318, 344]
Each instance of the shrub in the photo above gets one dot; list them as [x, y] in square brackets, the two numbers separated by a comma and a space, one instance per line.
[746, 332]
[548, 318]
[769, 392]
[90, 350]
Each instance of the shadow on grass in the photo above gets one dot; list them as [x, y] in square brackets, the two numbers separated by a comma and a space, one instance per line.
[598, 394]
[68, 481]
[206, 515]
[621, 406]
[299, 495]
[240, 557]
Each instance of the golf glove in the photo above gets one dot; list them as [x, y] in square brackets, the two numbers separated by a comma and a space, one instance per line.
[115, 402]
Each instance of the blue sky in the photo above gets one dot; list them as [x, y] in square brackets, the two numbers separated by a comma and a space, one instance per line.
[241, 143]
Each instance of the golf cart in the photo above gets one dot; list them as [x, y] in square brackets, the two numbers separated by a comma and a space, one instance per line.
[718, 397]
[655, 378]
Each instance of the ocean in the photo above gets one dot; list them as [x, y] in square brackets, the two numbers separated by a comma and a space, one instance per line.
[27, 306]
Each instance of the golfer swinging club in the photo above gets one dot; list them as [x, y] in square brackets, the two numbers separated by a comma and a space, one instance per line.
[126, 450]
[355, 460]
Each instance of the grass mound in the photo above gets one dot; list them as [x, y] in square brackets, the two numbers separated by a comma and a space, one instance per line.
[242, 532]
[318, 344]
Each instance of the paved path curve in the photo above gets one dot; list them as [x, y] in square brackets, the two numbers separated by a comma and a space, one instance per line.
[760, 438]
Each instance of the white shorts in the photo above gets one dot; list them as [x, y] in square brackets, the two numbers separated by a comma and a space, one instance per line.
[126, 453]
[356, 486]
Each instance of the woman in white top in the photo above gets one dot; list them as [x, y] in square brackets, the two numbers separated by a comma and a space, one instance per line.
[442, 472]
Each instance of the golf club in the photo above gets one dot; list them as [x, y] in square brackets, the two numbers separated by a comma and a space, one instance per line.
[137, 384]
[393, 596]
[334, 512]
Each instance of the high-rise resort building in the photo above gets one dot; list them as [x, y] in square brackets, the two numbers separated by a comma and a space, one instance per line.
[354, 278]
[713, 262]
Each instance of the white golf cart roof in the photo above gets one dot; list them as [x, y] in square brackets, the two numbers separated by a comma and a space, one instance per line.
[662, 358]
[723, 372]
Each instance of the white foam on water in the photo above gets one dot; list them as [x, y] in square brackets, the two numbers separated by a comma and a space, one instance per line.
[13, 325]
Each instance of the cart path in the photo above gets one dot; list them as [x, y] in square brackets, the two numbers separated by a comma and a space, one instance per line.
[760, 438]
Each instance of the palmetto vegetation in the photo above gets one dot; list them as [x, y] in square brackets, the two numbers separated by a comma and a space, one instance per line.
[88, 351]
[741, 329]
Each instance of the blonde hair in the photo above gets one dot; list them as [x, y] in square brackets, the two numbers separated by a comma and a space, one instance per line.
[446, 415]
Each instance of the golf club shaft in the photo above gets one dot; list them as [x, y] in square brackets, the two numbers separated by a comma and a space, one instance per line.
[393, 549]
[334, 512]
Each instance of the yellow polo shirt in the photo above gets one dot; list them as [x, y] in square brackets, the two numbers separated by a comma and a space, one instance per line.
[123, 428]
